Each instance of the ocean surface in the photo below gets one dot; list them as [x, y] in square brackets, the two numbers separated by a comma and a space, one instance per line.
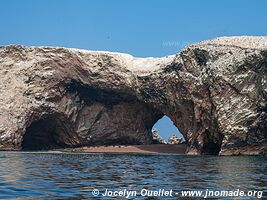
[55, 175]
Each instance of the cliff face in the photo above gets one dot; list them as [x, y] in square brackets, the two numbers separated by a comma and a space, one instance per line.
[215, 92]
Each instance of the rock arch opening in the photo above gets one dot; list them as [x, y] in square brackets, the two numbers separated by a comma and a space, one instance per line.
[168, 131]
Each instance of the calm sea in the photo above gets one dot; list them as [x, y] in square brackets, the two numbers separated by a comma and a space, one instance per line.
[54, 175]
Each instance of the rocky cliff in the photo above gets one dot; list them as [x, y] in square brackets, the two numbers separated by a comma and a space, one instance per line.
[215, 92]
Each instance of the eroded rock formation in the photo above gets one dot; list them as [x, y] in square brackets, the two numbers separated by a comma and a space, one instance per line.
[215, 92]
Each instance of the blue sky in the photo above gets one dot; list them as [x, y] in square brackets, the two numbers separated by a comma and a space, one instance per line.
[139, 27]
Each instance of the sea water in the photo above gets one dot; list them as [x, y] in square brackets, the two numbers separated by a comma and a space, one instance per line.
[56, 175]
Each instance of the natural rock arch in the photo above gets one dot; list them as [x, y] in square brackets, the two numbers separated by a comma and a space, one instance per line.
[214, 92]
[89, 116]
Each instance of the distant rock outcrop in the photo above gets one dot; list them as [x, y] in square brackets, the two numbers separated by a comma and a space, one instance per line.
[215, 92]
[156, 138]
[174, 139]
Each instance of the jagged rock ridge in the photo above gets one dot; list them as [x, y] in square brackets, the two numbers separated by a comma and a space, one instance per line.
[215, 92]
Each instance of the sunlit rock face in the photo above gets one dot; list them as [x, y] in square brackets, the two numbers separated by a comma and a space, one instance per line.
[215, 92]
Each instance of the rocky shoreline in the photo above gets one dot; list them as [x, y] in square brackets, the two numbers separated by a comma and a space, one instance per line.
[166, 149]
[147, 149]
[246, 151]
[179, 149]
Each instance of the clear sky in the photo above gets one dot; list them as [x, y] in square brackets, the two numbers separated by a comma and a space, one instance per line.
[139, 27]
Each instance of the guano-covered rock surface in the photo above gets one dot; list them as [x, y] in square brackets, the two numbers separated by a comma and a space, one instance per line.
[215, 92]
